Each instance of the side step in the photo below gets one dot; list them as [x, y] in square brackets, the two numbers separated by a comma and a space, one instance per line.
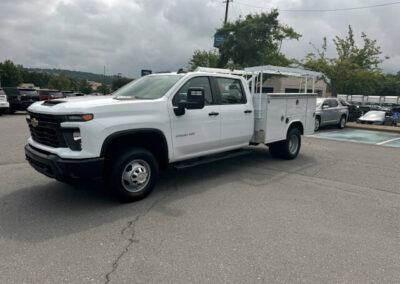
[210, 158]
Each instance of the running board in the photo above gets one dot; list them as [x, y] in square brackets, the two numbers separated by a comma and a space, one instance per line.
[211, 158]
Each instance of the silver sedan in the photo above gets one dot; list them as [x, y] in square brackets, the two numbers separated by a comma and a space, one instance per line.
[330, 111]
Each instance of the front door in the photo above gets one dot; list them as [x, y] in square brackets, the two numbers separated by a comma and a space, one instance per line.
[197, 131]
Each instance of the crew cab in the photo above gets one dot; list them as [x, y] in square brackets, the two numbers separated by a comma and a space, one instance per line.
[172, 119]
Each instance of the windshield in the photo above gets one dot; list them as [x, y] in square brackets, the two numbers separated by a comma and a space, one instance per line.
[148, 87]
[319, 102]
[55, 94]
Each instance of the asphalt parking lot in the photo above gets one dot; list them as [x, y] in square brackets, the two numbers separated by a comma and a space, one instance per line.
[332, 215]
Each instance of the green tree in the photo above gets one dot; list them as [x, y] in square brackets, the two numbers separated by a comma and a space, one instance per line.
[38, 79]
[60, 82]
[84, 87]
[116, 84]
[255, 40]
[204, 58]
[355, 70]
[10, 76]
[104, 89]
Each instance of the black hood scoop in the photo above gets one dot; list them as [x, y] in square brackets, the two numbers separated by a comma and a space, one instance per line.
[52, 103]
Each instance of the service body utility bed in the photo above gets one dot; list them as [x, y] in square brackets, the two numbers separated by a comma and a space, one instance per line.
[274, 112]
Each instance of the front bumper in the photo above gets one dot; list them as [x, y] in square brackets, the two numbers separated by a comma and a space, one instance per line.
[64, 169]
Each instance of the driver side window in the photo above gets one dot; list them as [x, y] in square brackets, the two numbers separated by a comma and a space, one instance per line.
[198, 82]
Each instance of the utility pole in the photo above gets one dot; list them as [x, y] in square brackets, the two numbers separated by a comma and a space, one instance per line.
[226, 10]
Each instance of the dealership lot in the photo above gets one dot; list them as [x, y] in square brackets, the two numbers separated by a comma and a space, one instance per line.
[331, 215]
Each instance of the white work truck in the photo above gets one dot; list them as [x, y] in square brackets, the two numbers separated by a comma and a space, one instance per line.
[172, 119]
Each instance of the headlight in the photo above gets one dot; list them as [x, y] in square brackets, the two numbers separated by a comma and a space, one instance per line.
[73, 138]
[80, 117]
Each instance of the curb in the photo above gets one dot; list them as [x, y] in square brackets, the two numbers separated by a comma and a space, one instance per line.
[373, 127]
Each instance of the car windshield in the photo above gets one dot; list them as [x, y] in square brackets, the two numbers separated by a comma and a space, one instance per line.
[149, 87]
[55, 94]
[375, 115]
[319, 102]
[28, 92]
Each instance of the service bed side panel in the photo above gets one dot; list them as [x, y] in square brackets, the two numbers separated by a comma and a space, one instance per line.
[274, 113]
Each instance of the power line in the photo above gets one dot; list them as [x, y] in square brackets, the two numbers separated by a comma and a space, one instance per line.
[322, 10]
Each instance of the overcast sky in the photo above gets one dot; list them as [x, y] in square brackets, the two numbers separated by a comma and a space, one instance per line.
[130, 35]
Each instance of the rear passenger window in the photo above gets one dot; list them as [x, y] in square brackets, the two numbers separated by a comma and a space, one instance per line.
[333, 103]
[231, 91]
[197, 82]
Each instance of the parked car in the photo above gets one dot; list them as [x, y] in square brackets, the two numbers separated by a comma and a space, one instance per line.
[45, 94]
[354, 110]
[330, 111]
[20, 98]
[4, 104]
[376, 117]
[72, 94]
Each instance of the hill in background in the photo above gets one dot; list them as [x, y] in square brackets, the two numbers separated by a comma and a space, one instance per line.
[79, 75]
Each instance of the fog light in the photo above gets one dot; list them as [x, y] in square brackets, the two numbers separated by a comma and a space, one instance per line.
[76, 135]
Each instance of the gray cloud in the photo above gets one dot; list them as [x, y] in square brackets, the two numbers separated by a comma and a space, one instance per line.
[127, 36]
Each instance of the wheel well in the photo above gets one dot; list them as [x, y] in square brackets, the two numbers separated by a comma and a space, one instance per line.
[152, 140]
[298, 125]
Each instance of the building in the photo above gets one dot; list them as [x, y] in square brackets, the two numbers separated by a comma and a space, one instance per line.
[94, 85]
[284, 84]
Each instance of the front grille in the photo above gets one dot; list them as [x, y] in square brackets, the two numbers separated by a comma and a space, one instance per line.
[48, 129]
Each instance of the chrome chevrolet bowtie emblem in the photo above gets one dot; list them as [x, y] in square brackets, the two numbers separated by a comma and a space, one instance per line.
[34, 122]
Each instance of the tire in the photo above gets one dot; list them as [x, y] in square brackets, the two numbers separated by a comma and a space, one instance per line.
[11, 110]
[342, 122]
[317, 125]
[275, 149]
[290, 148]
[132, 174]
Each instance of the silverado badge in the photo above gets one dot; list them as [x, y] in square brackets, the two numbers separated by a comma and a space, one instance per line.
[34, 122]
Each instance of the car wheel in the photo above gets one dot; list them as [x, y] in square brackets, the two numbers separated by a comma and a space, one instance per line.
[342, 123]
[317, 123]
[275, 149]
[290, 148]
[133, 174]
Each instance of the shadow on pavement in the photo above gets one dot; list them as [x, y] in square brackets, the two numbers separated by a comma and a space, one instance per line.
[42, 212]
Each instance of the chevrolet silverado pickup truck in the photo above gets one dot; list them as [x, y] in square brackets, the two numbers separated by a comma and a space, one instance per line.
[161, 120]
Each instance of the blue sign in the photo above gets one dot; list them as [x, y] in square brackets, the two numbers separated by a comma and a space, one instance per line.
[146, 72]
[218, 40]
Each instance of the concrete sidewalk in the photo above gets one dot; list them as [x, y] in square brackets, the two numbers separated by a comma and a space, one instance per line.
[394, 129]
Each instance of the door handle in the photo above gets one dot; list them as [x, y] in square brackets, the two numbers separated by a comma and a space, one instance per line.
[213, 113]
[248, 111]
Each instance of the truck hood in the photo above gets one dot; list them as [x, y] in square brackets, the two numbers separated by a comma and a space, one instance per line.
[76, 105]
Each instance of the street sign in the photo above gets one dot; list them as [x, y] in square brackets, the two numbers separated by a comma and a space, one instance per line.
[146, 72]
[218, 40]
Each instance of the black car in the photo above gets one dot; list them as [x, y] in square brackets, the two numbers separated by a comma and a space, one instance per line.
[354, 110]
[20, 98]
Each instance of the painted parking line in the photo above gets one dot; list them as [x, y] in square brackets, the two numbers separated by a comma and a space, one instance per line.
[388, 141]
[361, 136]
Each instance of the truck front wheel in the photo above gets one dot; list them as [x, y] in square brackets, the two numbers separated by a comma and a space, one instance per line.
[132, 174]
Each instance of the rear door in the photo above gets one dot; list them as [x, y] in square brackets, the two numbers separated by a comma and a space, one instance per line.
[237, 115]
[335, 110]
[197, 131]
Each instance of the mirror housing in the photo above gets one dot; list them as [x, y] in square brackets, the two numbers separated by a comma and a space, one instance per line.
[195, 100]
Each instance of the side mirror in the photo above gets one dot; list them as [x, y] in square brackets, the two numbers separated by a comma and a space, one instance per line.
[195, 100]
[325, 106]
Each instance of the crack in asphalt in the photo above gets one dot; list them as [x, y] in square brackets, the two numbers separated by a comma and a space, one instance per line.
[131, 240]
